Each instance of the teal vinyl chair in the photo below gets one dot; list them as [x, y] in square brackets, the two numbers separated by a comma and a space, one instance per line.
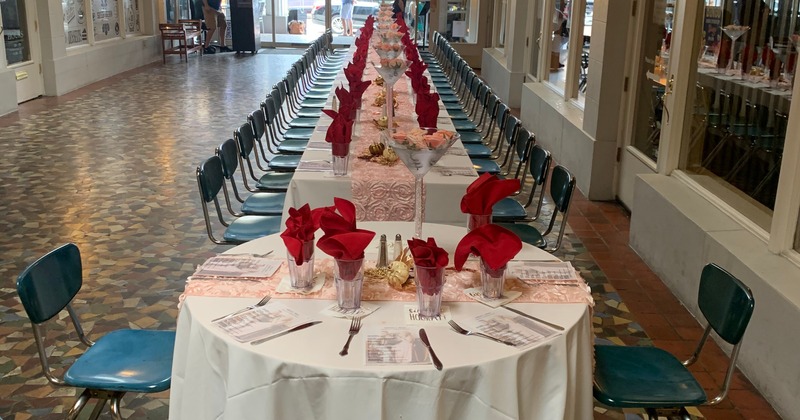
[269, 180]
[258, 203]
[562, 186]
[653, 379]
[119, 362]
[510, 209]
[210, 180]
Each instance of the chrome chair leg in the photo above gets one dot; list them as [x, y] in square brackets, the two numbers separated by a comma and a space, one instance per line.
[115, 411]
[72, 414]
[98, 408]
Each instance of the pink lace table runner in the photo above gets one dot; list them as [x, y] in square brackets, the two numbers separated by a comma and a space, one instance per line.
[381, 192]
[376, 289]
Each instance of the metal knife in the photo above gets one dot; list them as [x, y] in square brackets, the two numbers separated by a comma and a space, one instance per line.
[424, 337]
[297, 328]
[549, 324]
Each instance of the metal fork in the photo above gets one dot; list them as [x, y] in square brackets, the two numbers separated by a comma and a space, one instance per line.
[355, 327]
[260, 303]
[460, 330]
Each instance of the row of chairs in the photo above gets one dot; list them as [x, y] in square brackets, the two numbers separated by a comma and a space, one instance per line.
[498, 143]
[625, 377]
[265, 150]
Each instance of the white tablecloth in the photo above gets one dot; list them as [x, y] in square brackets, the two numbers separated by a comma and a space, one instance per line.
[302, 376]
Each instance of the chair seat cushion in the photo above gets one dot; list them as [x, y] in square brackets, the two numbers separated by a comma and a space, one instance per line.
[508, 209]
[526, 233]
[645, 377]
[477, 150]
[275, 181]
[309, 112]
[292, 146]
[485, 166]
[457, 114]
[247, 228]
[453, 106]
[304, 122]
[126, 360]
[316, 94]
[264, 204]
[284, 162]
[298, 133]
[313, 103]
[449, 99]
[464, 125]
[471, 137]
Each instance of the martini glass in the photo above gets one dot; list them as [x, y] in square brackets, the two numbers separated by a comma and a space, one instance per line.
[391, 70]
[734, 32]
[419, 159]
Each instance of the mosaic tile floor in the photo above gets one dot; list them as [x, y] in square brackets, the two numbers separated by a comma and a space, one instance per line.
[111, 168]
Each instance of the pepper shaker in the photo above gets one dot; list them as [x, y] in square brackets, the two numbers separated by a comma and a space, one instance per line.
[382, 253]
[398, 246]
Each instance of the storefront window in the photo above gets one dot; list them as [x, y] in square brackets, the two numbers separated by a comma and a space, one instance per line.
[462, 21]
[650, 78]
[501, 9]
[105, 19]
[565, 17]
[14, 31]
[133, 24]
[74, 22]
[745, 71]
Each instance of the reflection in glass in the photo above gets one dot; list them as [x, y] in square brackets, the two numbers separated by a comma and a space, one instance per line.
[462, 21]
[740, 115]
[74, 22]
[15, 31]
[564, 18]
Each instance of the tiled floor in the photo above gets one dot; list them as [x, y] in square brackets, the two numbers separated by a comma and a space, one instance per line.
[111, 168]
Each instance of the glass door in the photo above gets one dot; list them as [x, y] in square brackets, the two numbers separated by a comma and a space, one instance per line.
[300, 22]
[21, 38]
[649, 83]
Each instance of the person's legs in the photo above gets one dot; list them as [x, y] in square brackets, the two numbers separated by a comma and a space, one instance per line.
[210, 16]
[223, 29]
[347, 18]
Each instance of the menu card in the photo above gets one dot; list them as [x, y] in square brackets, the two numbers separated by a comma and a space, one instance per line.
[456, 170]
[314, 166]
[395, 346]
[237, 267]
[523, 332]
[265, 321]
[544, 272]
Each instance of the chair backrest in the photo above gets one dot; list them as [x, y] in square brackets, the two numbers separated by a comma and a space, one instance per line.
[539, 161]
[562, 186]
[48, 285]
[726, 303]
[210, 178]
[227, 152]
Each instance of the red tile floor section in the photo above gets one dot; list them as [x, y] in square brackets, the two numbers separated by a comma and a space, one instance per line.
[604, 228]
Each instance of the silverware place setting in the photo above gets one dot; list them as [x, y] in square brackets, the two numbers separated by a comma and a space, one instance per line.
[355, 327]
[258, 304]
[457, 328]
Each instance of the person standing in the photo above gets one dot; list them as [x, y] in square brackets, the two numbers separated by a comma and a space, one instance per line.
[215, 23]
[399, 6]
[347, 17]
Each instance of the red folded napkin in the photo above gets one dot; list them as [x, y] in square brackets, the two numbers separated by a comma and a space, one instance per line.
[357, 89]
[427, 253]
[342, 239]
[419, 83]
[495, 245]
[299, 234]
[340, 132]
[354, 71]
[347, 100]
[427, 109]
[485, 192]
[417, 68]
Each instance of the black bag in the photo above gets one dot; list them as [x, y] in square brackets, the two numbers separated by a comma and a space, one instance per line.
[564, 31]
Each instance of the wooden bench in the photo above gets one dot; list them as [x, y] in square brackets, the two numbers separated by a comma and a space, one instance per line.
[181, 38]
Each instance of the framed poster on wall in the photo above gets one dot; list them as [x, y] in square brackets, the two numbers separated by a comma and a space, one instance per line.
[105, 19]
[74, 22]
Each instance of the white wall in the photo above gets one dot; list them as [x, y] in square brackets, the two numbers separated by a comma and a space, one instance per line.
[505, 83]
[676, 232]
[8, 89]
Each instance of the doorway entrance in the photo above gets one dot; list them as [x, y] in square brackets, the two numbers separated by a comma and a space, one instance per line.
[20, 31]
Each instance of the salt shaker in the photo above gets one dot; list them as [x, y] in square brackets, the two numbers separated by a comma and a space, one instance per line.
[398, 246]
[382, 253]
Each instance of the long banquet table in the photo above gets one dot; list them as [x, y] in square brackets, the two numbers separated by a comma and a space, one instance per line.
[302, 376]
[381, 192]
